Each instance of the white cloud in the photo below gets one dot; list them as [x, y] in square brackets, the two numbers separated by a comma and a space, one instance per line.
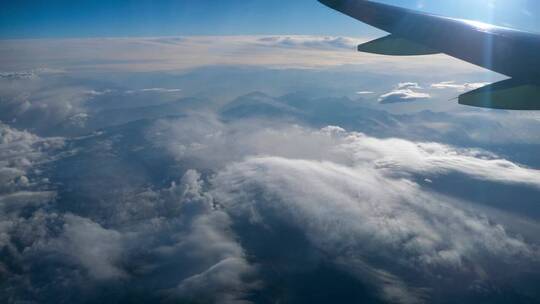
[97, 249]
[22, 199]
[404, 92]
[205, 240]
[356, 195]
[23, 187]
[349, 190]
[197, 138]
[399, 156]
[178, 227]
[460, 87]
[171, 225]
[408, 85]
[221, 283]
[353, 196]
[402, 95]
[94, 93]
[28, 75]
[20, 153]
[311, 42]
[227, 275]
[359, 201]
[154, 90]
[351, 213]
[18, 75]
[40, 106]
[184, 53]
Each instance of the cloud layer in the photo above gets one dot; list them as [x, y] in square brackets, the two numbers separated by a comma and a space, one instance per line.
[361, 205]
[160, 193]
[183, 53]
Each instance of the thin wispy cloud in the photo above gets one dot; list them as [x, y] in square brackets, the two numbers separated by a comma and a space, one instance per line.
[461, 87]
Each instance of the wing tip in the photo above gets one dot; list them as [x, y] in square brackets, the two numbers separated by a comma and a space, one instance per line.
[332, 3]
[510, 94]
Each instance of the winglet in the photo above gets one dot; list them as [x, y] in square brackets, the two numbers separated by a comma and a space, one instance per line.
[332, 3]
[510, 94]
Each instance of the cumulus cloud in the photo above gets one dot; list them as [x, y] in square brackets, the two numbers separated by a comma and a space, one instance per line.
[355, 198]
[401, 156]
[198, 138]
[152, 230]
[41, 104]
[212, 264]
[52, 106]
[97, 249]
[24, 186]
[398, 96]
[228, 277]
[222, 283]
[21, 153]
[357, 203]
[404, 92]
[351, 213]
[408, 85]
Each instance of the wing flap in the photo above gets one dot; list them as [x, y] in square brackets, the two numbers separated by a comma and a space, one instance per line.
[509, 94]
[395, 46]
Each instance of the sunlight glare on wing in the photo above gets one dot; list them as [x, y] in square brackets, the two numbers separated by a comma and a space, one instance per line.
[480, 25]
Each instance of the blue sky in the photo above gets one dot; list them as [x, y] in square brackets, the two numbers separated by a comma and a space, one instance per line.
[113, 18]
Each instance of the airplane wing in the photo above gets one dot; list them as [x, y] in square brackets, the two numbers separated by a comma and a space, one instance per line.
[503, 50]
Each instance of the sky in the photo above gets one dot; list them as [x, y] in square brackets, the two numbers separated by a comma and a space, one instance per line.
[128, 18]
